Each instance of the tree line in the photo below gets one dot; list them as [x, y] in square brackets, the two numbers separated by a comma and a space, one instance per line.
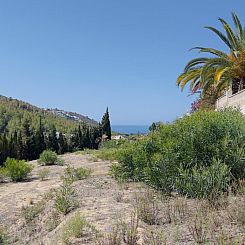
[27, 142]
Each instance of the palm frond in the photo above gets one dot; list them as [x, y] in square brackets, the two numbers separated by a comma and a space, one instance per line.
[238, 26]
[212, 51]
[212, 63]
[219, 73]
[230, 34]
[221, 36]
[195, 62]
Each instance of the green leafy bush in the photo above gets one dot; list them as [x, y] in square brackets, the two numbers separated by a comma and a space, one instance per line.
[48, 157]
[180, 156]
[16, 170]
[204, 182]
[75, 174]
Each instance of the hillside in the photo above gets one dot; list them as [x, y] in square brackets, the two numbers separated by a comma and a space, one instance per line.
[13, 111]
[73, 116]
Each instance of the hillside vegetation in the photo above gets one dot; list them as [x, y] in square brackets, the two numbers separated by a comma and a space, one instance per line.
[26, 130]
[13, 112]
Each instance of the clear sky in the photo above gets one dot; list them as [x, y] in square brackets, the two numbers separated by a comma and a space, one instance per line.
[85, 55]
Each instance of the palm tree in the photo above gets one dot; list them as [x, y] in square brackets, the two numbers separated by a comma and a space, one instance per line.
[220, 70]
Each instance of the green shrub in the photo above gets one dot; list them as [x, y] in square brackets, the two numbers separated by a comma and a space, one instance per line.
[48, 157]
[180, 156]
[16, 170]
[75, 174]
[204, 182]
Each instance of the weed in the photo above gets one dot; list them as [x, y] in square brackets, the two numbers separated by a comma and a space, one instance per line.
[227, 239]
[53, 221]
[76, 227]
[43, 173]
[113, 238]
[119, 196]
[153, 237]
[65, 197]
[75, 174]
[130, 231]
[3, 237]
[31, 212]
[236, 212]
[148, 208]
[198, 229]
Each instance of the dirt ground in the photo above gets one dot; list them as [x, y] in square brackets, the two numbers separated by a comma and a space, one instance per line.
[102, 201]
[97, 198]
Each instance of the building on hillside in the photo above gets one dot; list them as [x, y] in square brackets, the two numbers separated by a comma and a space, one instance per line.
[117, 137]
[232, 99]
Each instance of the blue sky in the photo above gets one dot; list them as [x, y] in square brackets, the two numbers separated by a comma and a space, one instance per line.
[85, 55]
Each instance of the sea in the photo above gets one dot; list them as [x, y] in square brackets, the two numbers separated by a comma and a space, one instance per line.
[131, 129]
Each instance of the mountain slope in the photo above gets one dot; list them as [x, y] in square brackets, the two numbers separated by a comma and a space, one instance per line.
[13, 112]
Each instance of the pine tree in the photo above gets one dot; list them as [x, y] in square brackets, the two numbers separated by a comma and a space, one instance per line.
[106, 125]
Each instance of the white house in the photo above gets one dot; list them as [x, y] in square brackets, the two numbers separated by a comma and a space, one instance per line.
[228, 99]
[117, 137]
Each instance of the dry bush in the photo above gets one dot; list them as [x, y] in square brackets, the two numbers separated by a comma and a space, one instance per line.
[119, 196]
[130, 231]
[238, 187]
[148, 208]
[31, 212]
[154, 237]
[236, 212]
[228, 239]
[3, 236]
[113, 238]
[53, 221]
[175, 210]
[198, 228]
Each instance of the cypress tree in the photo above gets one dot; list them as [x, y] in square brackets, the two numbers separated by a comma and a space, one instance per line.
[20, 147]
[106, 125]
[39, 139]
[29, 141]
[62, 144]
[53, 140]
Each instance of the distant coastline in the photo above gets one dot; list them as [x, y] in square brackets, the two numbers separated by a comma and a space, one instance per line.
[130, 129]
